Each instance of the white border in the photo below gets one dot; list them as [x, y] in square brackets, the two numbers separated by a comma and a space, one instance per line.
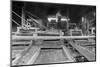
[5, 33]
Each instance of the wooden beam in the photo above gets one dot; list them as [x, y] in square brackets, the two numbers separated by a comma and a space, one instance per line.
[85, 52]
[20, 43]
[20, 56]
[49, 37]
[68, 54]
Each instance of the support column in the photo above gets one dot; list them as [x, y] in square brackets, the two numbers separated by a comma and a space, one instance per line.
[61, 41]
[38, 42]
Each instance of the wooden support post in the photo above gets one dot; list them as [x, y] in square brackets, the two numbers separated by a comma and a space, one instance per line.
[61, 41]
[38, 42]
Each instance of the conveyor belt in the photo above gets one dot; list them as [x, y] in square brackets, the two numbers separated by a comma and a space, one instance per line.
[85, 52]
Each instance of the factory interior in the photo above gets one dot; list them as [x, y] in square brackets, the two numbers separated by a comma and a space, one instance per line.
[52, 33]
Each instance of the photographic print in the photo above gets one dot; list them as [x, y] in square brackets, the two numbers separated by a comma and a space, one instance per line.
[52, 33]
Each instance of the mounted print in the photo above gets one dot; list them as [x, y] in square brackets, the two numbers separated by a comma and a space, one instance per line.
[52, 33]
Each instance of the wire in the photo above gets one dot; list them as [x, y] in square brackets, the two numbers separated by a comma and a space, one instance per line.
[15, 22]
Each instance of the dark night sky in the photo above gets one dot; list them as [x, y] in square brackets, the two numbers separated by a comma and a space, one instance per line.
[42, 10]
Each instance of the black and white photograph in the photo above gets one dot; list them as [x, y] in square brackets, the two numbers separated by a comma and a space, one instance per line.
[52, 33]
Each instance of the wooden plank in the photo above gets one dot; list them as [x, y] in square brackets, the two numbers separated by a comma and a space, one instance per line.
[88, 44]
[67, 52]
[30, 56]
[34, 57]
[20, 56]
[85, 52]
[21, 43]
